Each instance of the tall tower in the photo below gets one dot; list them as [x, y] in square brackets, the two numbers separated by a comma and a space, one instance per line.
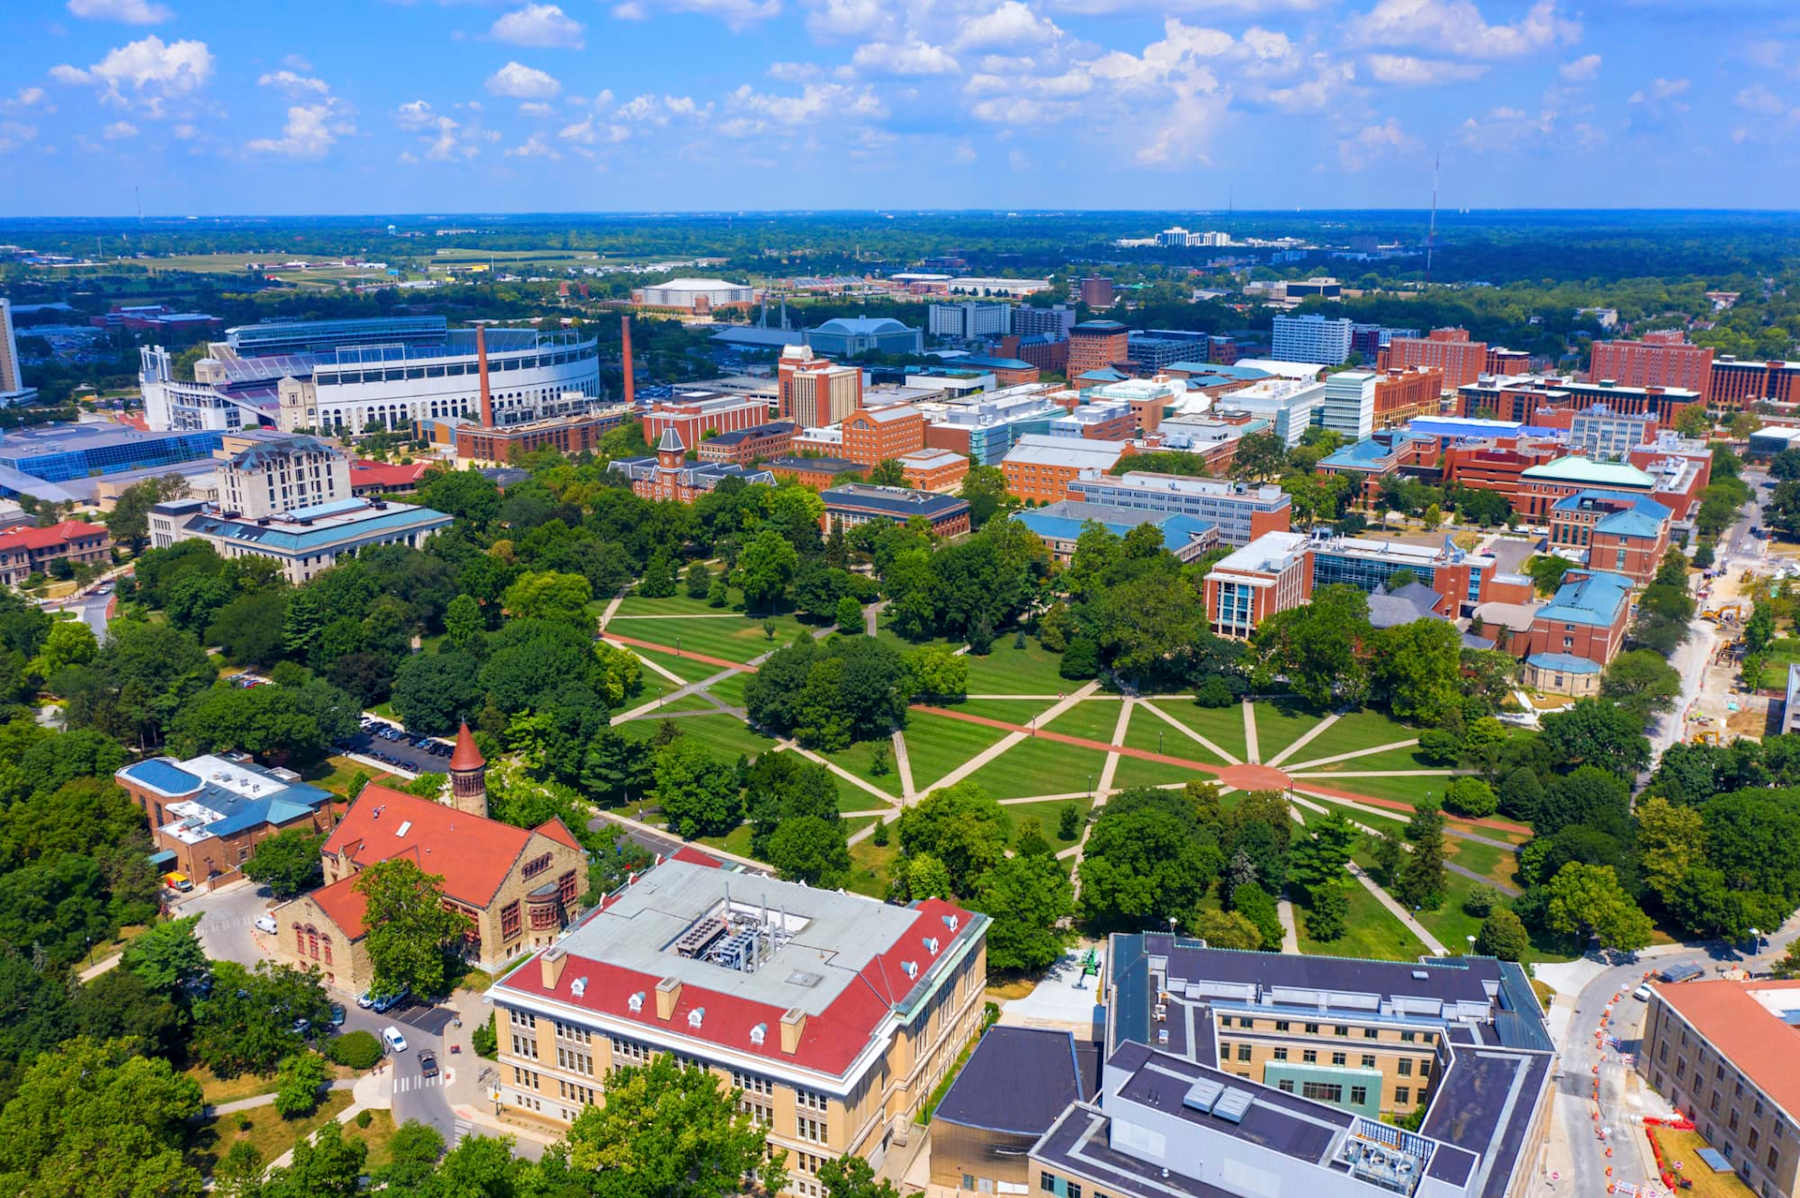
[468, 775]
[10, 377]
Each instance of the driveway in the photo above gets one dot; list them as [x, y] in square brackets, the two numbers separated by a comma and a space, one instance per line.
[227, 927]
[403, 753]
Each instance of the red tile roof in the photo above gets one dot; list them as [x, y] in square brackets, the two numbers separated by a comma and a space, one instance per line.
[1746, 1032]
[694, 856]
[381, 474]
[829, 1043]
[344, 904]
[466, 756]
[472, 854]
[50, 537]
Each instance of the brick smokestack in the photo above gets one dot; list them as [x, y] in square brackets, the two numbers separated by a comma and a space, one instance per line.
[625, 348]
[487, 399]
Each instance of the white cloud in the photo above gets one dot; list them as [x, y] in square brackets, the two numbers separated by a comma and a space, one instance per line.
[1660, 89]
[523, 83]
[1581, 70]
[1373, 143]
[592, 133]
[1457, 27]
[793, 72]
[14, 134]
[915, 59]
[119, 131]
[295, 85]
[129, 12]
[415, 114]
[1506, 129]
[761, 111]
[1010, 26]
[1760, 100]
[735, 13]
[534, 108]
[534, 147]
[25, 97]
[847, 18]
[538, 25]
[147, 73]
[1406, 71]
[311, 130]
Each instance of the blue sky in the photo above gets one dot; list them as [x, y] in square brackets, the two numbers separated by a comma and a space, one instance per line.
[269, 106]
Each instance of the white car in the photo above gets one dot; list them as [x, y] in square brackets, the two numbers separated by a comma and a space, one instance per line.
[266, 923]
[391, 1037]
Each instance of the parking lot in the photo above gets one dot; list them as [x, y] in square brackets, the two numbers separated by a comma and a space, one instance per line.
[393, 745]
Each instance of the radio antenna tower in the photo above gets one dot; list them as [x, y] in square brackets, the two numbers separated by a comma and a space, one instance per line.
[1431, 232]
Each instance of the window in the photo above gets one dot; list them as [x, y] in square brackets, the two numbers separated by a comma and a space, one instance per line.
[1771, 1157]
[525, 1078]
[509, 920]
[1281, 1025]
[1405, 1067]
[524, 1046]
[629, 1052]
[536, 866]
[1224, 1051]
[810, 1100]
[1337, 1058]
[1402, 1096]
[1408, 1037]
[1286, 1085]
[574, 1060]
[1359, 1095]
[1224, 1021]
[1370, 1033]
[1424, 1066]
[1047, 1183]
[569, 1031]
[810, 1129]
[1074, 1190]
[1312, 1029]
[1368, 1060]
[1751, 1139]
[1323, 1091]
[1281, 1054]
[1309, 1056]
[1732, 1122]
[1340, 1030]
[1243, 1053]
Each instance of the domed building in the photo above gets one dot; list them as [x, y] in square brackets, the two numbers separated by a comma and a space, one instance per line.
[848, 336]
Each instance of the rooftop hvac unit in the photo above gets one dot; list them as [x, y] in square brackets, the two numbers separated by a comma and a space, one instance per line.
[696, 1016]
[578, 987]
[636, 1002]
[910, 968]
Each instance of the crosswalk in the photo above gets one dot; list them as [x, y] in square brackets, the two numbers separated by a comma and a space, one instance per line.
[459, 1131]
[408, 1085]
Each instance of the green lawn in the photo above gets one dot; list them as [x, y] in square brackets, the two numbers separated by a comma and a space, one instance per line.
[1093, 719]
[736, 841]
[937, 744]
[1135, 771]
[1363, 729]
[1449, 922]
[1780, 654]
[653, 686]
[1404, 790]
[1048, 816]
[685, 668]
[1009, 671]
[1223, 726]
[1037, 766]
[870, 863]
[1498, 865]
[858, 759]
[727, 736]
[686, 703]
[1387, 759]
[1281, 722]
[738, 639]
[730, 689]
[1011, 711]
[1370, 931]
[677, 604]
[1153, 734]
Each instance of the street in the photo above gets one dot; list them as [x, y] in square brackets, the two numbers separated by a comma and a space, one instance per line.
[1577, 1160]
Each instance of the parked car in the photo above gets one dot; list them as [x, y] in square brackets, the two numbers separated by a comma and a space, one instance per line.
[1680, 973]
[337, 1014]
[1642, 993]
[387, 1002]
[428, 1066]
[266, 923]
[392, 1039]
[302, 1026]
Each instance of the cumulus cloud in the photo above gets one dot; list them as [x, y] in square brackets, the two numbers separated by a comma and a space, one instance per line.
[1505, 129]
[119, 131]
[521, 82]
[25, 97]
[146, 73]
[1456, 27]
[592, 132]
[14, 134]
[1581, 70]
[735, 13]
[1403, 70]
[1374, 143]
[534, 147]
[129, 12]
[758, 112]
[443, 138]
[310, 131]
[295, 85]
[1011, 25]
[1760, 100]
[1660, 89]
[538, 25]
[910, 60]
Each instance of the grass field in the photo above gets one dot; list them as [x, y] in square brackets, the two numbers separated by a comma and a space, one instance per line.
[1387, 759]
[1281, 722]
[1370, 931]
[730, 690]
[1684, 1146]
[1780, 654]
[378, 1136]
[685, 668]
[1036, 766]
[1011, 711]
[267, 1132]
[735, 841]
[1153, 734]
[1135, 771]
[936, 744]
[1449, 922]
[1009, 671]
[1092, 719]
[1355, 730]
[1223, 726]
[1404, 790]
[686, 703]
[870, 863]
[1048, 816]
[671, 605]
[1497, 865]
[735, 639]
[858, 759]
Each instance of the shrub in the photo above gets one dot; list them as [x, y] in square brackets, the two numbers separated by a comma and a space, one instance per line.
[365, 1117]
[1470, 796]
[485, 1040]
[1481, 901]
[880, 835]
[1214, 692]
[1326, 920]
[245, 1122]
[1068, 822]
[300, 1078]
[354, 1050]
[1081, 660]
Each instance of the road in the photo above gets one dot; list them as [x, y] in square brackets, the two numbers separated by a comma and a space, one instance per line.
[1624, 1097]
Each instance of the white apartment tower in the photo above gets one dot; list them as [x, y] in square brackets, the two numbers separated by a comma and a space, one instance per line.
[283, 476]
[1311, 338]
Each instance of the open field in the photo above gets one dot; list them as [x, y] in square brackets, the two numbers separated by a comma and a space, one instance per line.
[1365, 729]
[1037, 766]
[1223, 726]
[1010, 671]
[1370, 931]
[1093, 719]
[1281, 722]
[936, 744]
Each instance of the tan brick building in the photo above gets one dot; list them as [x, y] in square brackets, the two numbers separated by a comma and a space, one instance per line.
[835, 1015]
[518, 887]
[208, 814]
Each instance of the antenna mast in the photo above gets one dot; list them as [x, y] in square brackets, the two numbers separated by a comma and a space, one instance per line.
[1431, 233]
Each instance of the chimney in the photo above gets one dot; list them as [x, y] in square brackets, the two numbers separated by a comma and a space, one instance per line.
[551, 962]
[625, 349]
[487, 399]
[793, 1022]
[668, 993]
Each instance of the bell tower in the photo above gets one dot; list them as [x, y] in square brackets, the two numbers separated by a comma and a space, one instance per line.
[468, 775]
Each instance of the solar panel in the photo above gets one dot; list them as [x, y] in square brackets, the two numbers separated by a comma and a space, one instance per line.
[1233, 1105]
[1203, 1094]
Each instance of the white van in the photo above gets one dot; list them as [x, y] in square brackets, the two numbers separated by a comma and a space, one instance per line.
[392, 1039]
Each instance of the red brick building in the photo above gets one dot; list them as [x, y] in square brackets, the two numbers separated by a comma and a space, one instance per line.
[579, 433]
[1039, 349]
[1401, 395]
[859, 503]
[1271, 574]
[1096, 344]
[873, 435]
[1501, 360]
[28, 551]
[747, 445]
[1585, 619]
[934, 469]
[1626, 534]
[1496, 465]
[208, 814]
[1659, 360]
[1449, 350]
[817, 473]
[1041, 467]
[1739, 384]
[1096, 292]
[383, 478]
[694, 420]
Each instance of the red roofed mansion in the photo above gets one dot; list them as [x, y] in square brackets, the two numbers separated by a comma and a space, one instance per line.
[833, 1013]
[517, 886]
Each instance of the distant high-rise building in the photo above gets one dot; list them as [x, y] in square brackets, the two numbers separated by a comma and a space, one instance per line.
[1349, 405]
[1311, 338]
[1096, 292]
[12, 377]
[1664, 359]
[1461, 359]
[1095, 344]
[1054, 322]
[816, 391]
[969, 320]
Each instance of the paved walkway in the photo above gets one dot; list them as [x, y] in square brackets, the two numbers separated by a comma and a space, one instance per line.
[1465, 871]
[371, 1091]
[1016, 733]
[1456, 825]
[702, 658]
[695, 615]
[1252, 751]
[903, 763]
[1290, 938]
[1305, 737]
[1399, 912]
[256, 1100]
[1318, 761]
